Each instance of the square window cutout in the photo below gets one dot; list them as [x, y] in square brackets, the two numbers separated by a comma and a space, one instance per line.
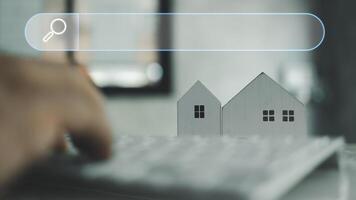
[199, 111]
[268, 115]
[288, 116]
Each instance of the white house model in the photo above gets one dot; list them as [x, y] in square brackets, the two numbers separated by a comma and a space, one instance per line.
[263, 107]
[199, 112]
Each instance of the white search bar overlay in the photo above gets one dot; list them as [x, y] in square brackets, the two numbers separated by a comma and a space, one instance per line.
[223, 31]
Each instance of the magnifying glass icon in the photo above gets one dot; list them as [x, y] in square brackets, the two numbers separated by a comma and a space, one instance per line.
[52, 31]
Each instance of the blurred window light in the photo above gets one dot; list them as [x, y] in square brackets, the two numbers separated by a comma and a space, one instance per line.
[298, 79]
[125, 76]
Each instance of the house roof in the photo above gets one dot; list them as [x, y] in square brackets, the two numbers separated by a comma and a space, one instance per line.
[199, 86]
[264, 77]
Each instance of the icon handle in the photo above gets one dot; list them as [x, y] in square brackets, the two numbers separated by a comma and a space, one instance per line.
[48, 36]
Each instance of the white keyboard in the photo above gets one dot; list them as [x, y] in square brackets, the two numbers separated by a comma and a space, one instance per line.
[207, 168]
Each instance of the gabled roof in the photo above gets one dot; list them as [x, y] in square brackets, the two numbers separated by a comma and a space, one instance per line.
[267, 80]
[199, 86]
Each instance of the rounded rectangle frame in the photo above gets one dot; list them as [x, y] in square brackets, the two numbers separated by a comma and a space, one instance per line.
[250, 27]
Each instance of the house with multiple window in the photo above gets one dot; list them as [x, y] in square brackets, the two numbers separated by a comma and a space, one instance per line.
[263, 107]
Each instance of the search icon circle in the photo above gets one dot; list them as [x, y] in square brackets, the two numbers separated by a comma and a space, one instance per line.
[52, 31]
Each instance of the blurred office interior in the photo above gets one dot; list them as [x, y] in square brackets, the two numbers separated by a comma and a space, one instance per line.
[143, 87]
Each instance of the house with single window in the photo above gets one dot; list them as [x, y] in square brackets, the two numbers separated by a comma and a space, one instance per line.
[263, 107]
[199, 112]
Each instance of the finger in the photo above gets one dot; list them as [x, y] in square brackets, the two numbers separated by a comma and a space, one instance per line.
[85, 119]
[89, 131]
[84, 72]
[94, 141]
[61, 144]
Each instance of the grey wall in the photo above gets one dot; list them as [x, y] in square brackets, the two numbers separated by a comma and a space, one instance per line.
[13, 17]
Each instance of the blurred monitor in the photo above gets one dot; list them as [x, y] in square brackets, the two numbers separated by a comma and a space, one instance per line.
[128, 72]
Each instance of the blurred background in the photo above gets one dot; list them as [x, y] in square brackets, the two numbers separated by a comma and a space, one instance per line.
[143, 87]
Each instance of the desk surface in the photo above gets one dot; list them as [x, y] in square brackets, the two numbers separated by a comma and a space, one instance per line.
[324, 184]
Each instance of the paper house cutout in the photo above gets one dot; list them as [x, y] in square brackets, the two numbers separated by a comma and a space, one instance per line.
[199, 112]
[263, 107]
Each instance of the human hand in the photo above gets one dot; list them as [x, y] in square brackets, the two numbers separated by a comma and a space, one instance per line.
[39, 103]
